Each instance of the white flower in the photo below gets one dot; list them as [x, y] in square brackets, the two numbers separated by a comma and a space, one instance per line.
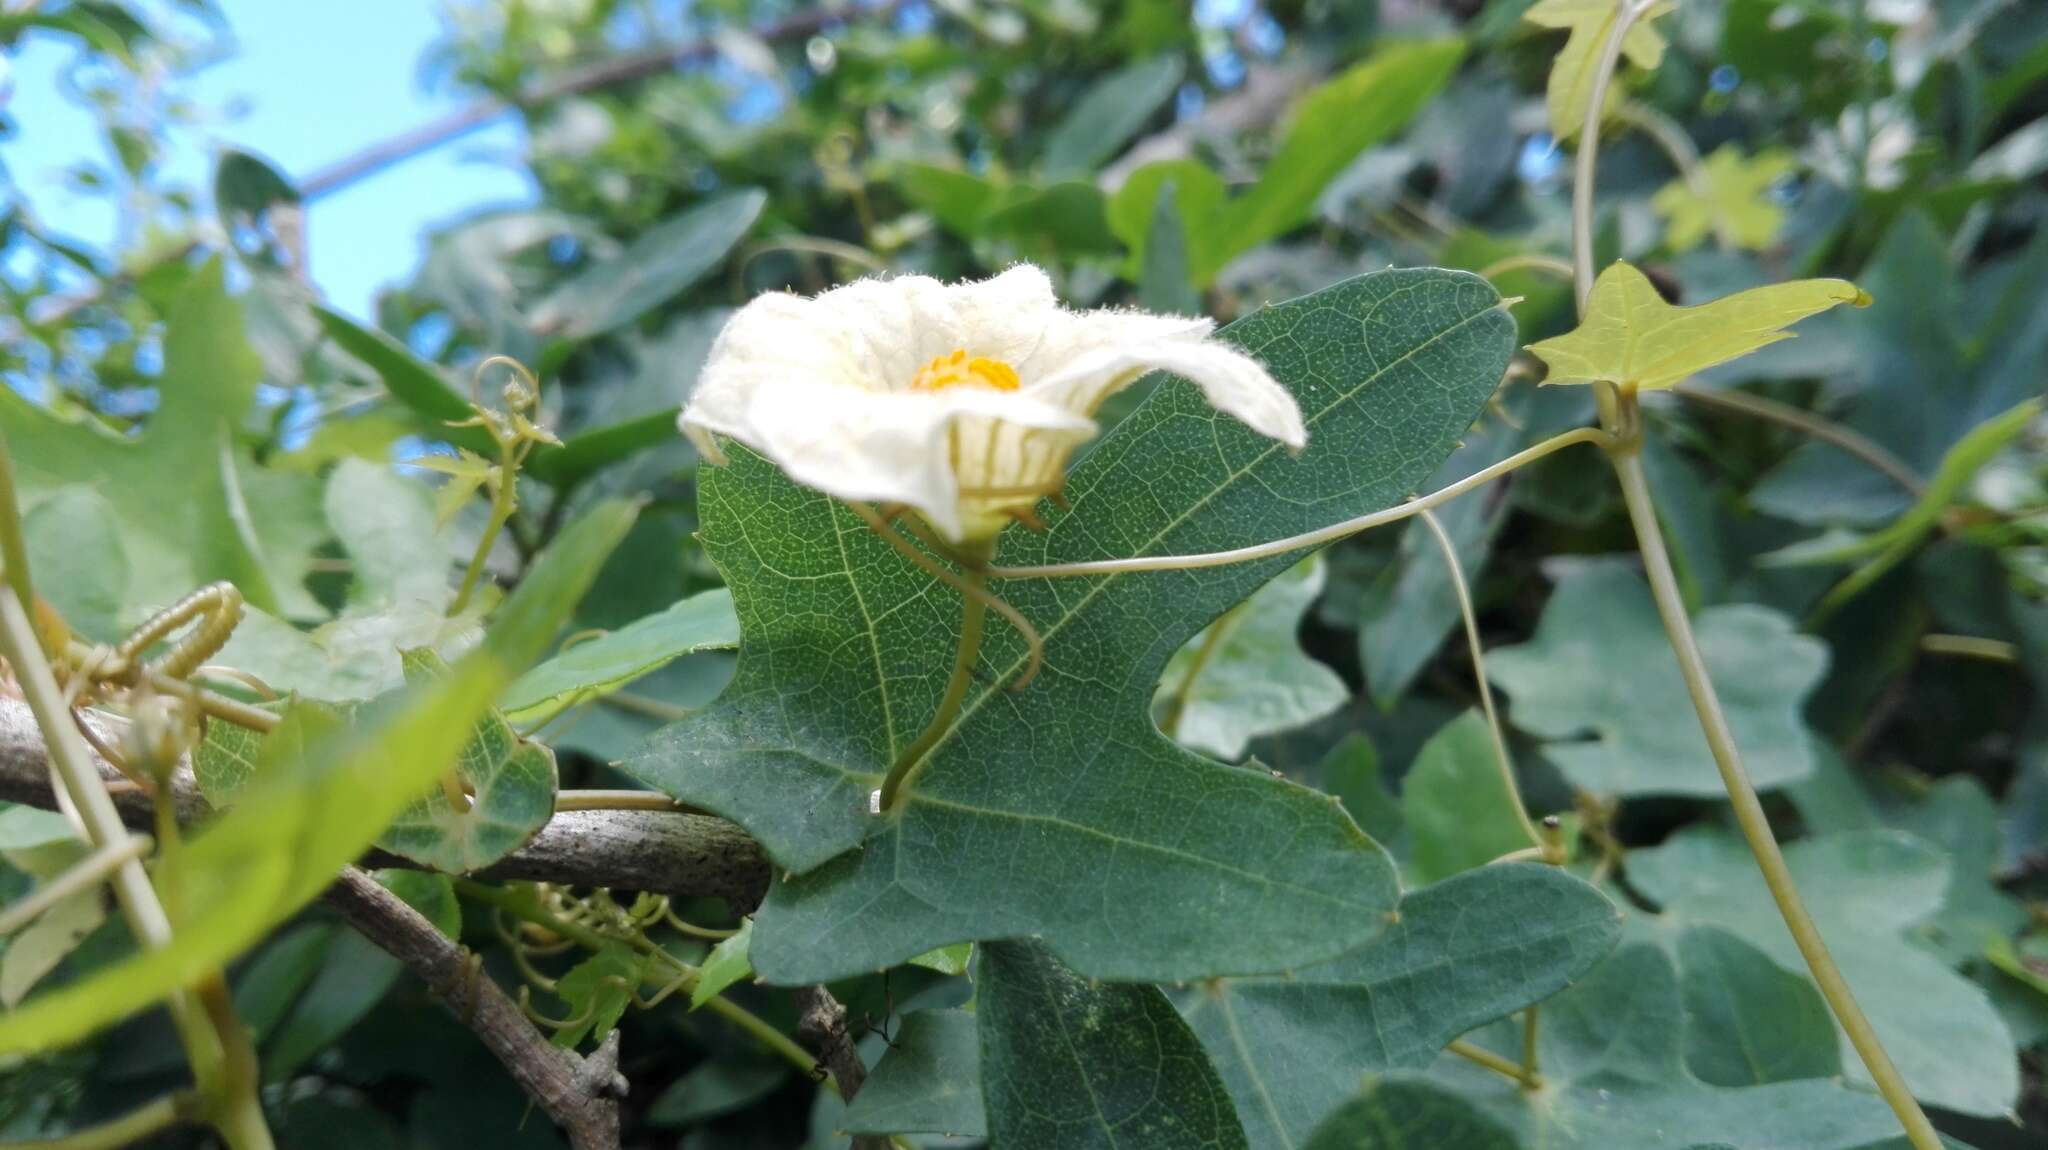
[962, 401]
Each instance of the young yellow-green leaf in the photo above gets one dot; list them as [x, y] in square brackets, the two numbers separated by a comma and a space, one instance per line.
[1246, 675]
[231, 757]
[512, 794]
[1730, 198]
[726, 964]
[1631, 338]
[702, 622]
[288, 836]
[1571, 76]
[598, 990]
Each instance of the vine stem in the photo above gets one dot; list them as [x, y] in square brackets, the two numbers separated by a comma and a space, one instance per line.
[124, 1130]
[233, 1103]
[1618, 412]
[1315, 538]
[1749, 810]
[1784, 414]
[1505, 1067]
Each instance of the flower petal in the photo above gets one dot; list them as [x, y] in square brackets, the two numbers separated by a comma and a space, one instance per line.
[891, 448]
[1233, 383]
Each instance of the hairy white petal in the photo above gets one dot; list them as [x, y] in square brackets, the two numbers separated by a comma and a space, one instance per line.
[889, 448]
[1230, 380]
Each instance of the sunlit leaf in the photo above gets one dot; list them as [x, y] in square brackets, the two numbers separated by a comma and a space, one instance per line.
[1729, 198]
[287, 837]
[656, 267]
[726, 965]
[1631, 338]
[703, 622]
[1591, 23]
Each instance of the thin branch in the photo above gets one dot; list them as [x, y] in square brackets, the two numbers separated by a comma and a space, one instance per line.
[821, 1024]
[581, 1094]
[659, 852]
[126, 1129]
[1806, 423]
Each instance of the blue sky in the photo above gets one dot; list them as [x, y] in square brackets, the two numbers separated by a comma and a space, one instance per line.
[318, 80]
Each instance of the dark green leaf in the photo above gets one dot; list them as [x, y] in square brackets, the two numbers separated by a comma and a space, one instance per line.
[1069, 1064]
[1464, 952]
[1458, 810]
[928, 1083]
[1403, 1112]
[1040, 800]
[1111, 112]
[1748, 1021]
[655, 268]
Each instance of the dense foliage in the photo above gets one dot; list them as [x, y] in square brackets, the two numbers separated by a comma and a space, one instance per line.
[1404, 838]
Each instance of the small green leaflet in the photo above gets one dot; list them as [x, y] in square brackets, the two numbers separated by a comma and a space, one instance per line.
[1864, 889]
[1070, 1064]
[659, 265]
[1465, 952]
[703, 622]
[512, 794]
[229, 758]
[1041, 799]
[598, 990]
[281, 844]
[1571, 77]
[1246, 675]
[1600, 665]
[1729, 198]
[929, 1082]
[1112, 111]
[725, 965]
[1630, 337]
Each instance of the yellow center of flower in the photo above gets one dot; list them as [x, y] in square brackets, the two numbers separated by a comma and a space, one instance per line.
[957, 369]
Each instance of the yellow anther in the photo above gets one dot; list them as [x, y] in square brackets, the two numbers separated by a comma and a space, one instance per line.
[958, 369]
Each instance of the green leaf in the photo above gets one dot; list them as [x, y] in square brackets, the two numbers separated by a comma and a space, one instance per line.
[1041, 799]
[229, 757]
[386, 523]
[34, 952]
[1198, 197]
[958, 200]
[1600, 665]
[1730, 199]
[726, 965]
[659, 265]
[1610, 1055]
[1069, 1064]
[1326, 130]
[929, 1082]
[191, 504]
[1351, 771]
[511, 783]
[1112, 111]
[283, 842]
[1865, 890]
[703, 622]
[1631, 338]
[1458, 810]
[716, 1086]
[1749, 1021]
[80, 563]
[1591, 22]
[417, 384]
[1464, 952]
[1960, 818]
[1165, 281]
[1246, 675]
[1402, 1112]
[598, 990]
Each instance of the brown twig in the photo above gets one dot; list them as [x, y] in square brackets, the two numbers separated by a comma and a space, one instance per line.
[655, 851]
[821, 1026]
[580, 1093]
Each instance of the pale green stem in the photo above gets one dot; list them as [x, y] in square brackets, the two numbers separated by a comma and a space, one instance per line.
[619, 800]
[504, 498]
[1314, 538]
[1618, 412]
[1505, 1067]
[1527, 263]
[1806, 423]
[1501, 758]
[911, 761]
[125, 1130]
[13, 546]
[87, 873]
[1967, 646]
[1670, 138]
